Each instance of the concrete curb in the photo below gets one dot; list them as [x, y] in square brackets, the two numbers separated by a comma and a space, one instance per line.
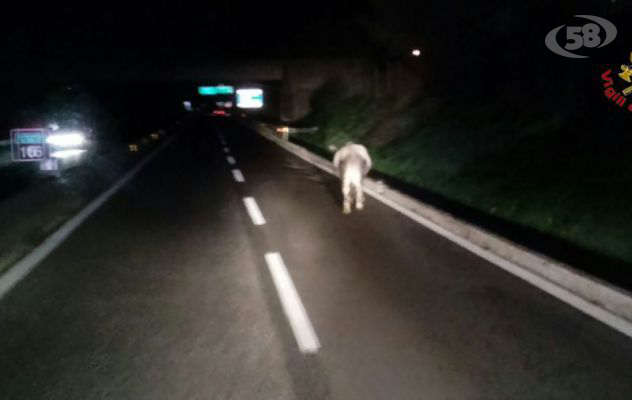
[600, 300]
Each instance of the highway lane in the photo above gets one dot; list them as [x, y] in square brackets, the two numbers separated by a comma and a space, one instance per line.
[165, 293]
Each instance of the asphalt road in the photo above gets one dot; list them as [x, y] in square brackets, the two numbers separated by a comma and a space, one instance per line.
[165, 293]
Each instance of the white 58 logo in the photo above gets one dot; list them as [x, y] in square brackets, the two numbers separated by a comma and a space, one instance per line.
[581, 36]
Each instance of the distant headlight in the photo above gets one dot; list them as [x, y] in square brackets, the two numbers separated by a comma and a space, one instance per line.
[67, 153]
[68, 139]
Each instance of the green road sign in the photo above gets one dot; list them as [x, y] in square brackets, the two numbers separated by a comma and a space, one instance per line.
[215, 90]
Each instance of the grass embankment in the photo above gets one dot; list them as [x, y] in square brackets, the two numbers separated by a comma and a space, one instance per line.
[568, 181]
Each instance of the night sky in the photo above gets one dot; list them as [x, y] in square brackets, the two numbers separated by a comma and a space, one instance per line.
[470, 50]
[172, 33]
[39, 40]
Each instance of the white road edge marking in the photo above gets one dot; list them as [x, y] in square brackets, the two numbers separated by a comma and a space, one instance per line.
[594, 310]
[230, 160]
[292, 305]
[27, 264]
[568, 297]
[254, 211]
[239, 177]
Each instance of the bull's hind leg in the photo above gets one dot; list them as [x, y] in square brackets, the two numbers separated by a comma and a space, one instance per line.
[346, 196]
[359, 197]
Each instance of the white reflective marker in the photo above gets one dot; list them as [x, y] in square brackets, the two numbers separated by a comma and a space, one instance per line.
[292, 305]
[239, 177]
[230, 160]
[254, 211]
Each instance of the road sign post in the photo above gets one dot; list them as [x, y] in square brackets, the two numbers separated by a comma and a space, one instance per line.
[28, 145]
[50, 166]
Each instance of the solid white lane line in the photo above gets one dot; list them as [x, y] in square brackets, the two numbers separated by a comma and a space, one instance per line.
[239, 177]
[226, 150]
[292, 305]
[578, 302]
[254, 211]
[230, 160]
[555, 290]
[23, 267]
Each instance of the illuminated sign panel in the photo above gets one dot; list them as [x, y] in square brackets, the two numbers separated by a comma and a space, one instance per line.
[249, 98]
[29, 144]
[215, 90]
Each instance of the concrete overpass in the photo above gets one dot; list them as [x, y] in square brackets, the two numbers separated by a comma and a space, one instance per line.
[289, 82]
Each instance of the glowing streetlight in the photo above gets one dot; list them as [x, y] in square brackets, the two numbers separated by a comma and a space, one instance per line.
[416, 52]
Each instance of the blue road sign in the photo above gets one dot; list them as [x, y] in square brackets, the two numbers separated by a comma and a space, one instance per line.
[29, 144]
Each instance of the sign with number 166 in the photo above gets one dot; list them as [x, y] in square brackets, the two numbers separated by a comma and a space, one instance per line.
[29, 144]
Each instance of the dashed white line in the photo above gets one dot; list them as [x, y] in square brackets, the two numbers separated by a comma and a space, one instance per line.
[254, 211]
[292, 305]
[239, 177]
[230, 160]
[226, 150]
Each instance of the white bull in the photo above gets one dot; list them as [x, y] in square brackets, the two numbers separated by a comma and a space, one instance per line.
[352, 162]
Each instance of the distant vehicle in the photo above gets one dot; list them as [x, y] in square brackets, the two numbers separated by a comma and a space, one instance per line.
[220, 113]
[70, 141]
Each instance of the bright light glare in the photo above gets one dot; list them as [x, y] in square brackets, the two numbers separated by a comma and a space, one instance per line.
[249, 98]
[53, 126]
[69, 139]
[416, 52]
[67, 153]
